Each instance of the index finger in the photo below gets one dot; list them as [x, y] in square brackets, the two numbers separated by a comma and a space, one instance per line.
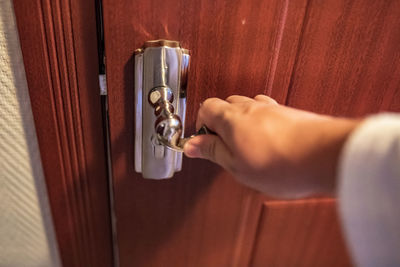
[212, 114]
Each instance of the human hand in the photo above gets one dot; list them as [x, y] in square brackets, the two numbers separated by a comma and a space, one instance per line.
[278, 150]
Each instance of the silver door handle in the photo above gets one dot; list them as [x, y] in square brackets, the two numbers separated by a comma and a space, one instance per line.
[161, 68]
[168, 126]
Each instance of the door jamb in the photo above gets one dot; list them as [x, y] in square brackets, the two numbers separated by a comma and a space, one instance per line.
[58, 42]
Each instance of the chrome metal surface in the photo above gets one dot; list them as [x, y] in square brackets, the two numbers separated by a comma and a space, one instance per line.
[179, 144]
[160, 104]
[138, 110]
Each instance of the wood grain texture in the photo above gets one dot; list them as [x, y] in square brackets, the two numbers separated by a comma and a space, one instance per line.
[192, 219]
[348, 58]
[284, 57]
[252, 206]
[306, 233]
[58, 40]
[200, 217]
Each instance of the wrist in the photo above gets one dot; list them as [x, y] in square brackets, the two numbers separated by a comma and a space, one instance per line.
[334, 133]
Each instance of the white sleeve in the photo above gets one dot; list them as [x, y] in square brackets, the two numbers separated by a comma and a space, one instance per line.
[369, 191]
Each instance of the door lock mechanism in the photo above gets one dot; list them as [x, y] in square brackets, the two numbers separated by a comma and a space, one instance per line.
[161, 68]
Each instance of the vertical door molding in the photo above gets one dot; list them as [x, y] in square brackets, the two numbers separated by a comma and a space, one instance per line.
[58, 41]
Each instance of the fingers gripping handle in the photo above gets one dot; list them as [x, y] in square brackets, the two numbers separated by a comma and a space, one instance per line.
[168, 126]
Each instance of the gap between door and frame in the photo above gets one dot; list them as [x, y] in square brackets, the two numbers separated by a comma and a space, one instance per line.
[106, 129]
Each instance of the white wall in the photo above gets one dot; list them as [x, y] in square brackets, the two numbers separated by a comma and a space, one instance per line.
[26, 231]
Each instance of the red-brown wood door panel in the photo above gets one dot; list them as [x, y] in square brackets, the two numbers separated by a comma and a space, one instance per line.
[348, 59]
[309, 54]
[313, 240]
[192, 219]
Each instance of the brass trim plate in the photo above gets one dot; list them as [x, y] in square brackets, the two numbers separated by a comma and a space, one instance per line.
[161, 42]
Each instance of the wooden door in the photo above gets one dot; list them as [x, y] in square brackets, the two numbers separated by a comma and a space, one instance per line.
[334, 56]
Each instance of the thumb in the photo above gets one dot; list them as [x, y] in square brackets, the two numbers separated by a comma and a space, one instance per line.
[209, 147]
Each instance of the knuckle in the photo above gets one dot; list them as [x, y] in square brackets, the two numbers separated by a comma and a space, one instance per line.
[259, 96]
[273, 101]
[209, 150]
[265, 98]
[231, 97]
[210, 101]
[208, 105]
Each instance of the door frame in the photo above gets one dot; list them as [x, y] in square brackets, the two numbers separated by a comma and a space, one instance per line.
[59, 46]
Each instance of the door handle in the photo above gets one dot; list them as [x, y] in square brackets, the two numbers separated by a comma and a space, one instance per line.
[161, 68]
[168, 127]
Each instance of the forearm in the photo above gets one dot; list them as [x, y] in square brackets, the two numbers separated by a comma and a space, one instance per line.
[325, 152]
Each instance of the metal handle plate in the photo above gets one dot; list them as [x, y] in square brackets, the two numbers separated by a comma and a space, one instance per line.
[161, 68]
